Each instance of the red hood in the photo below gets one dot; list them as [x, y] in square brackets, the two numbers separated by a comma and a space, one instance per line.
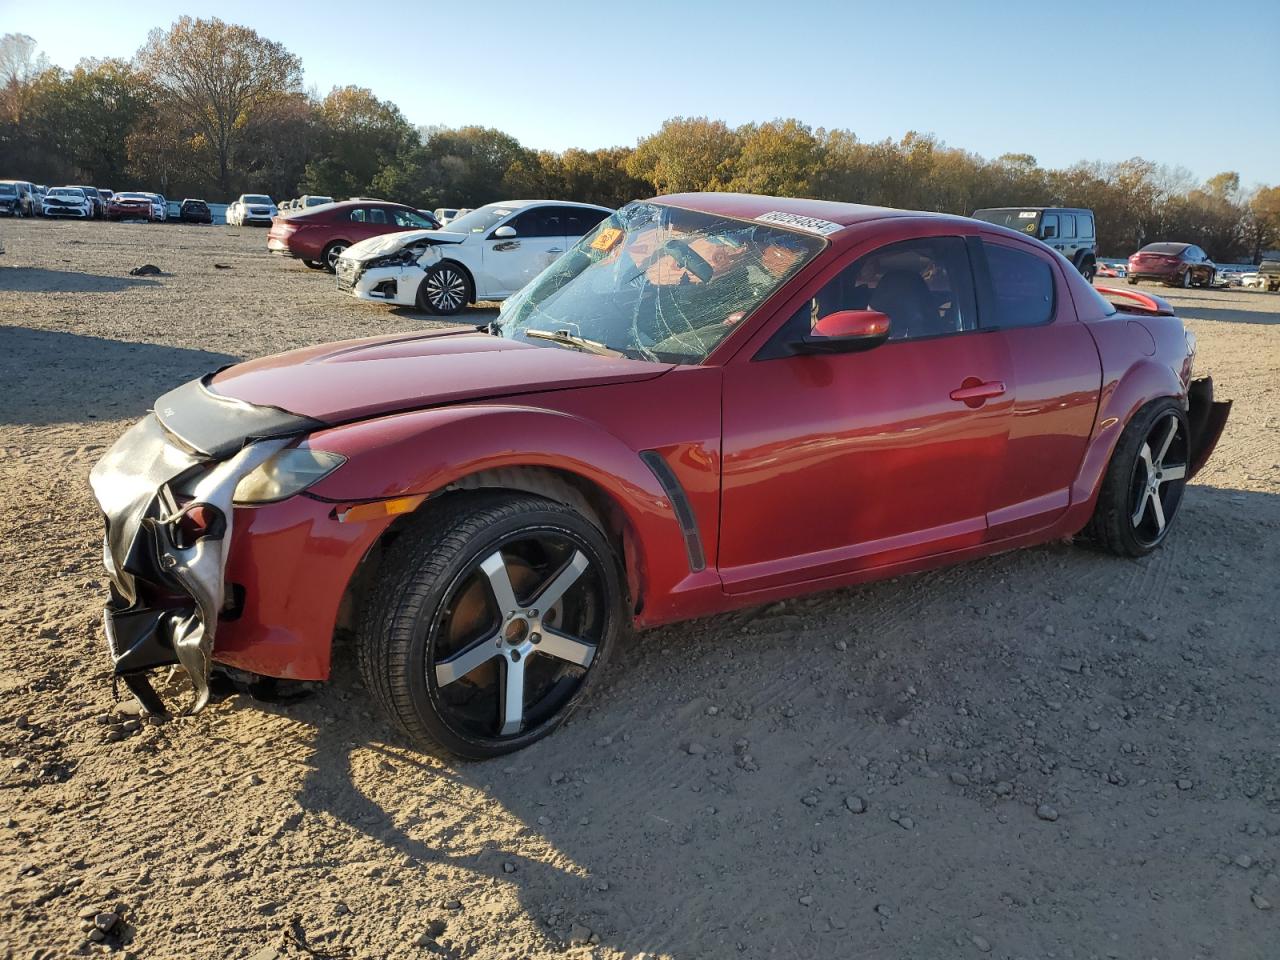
[358, 379]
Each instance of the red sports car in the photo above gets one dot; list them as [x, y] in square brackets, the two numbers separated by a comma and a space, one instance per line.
[129, 206]
[318, 235]
[711, 401]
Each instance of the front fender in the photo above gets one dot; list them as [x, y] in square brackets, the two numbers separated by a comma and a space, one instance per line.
[425, 451]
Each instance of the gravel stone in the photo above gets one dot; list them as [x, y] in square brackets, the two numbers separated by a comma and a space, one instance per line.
[855, 804]
[1046, 812]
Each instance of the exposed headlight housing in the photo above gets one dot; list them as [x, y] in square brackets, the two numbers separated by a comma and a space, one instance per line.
[290, 471]
[401, 258]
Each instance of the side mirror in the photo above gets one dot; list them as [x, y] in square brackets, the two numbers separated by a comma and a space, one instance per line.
[845, 331]
[504, 233]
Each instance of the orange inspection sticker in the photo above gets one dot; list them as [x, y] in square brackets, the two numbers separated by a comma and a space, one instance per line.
[607, 239]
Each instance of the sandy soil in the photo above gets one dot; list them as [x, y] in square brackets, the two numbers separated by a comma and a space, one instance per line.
[1056, 753]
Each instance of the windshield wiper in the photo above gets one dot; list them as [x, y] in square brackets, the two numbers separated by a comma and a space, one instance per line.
[570, 340]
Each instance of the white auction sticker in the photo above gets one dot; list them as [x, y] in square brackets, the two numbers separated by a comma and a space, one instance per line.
[1027, 215]
[810, 224]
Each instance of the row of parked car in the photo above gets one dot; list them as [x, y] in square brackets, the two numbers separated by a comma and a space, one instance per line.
[22, 198]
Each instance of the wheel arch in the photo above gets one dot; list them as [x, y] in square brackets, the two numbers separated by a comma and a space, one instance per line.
[456, 451]
[1122, 396]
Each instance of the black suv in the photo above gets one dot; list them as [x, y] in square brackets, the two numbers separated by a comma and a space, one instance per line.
[194, 211]
[1069, 230]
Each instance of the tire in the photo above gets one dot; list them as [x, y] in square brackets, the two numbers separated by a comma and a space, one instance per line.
[329, 258]
[436, 602]
[1126, 520]
[445, 290]
[1089, 270]
[314, 264]
[1133, 281]
[1188, 281]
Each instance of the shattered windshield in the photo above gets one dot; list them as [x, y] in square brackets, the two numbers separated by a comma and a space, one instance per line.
[657, 283]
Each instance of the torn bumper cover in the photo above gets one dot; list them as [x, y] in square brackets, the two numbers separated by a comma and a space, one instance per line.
[165, 489]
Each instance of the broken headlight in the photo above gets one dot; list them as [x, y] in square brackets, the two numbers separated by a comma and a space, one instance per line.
[288, 472]
[401, 258]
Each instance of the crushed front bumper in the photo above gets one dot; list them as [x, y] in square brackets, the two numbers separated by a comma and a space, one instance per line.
[166, 573]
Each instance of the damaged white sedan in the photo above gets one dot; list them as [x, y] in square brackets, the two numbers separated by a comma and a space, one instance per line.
[488, 254]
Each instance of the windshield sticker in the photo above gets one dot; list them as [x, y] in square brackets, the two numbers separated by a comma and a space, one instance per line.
[606, 239]
[809, 224]
[1027, 215]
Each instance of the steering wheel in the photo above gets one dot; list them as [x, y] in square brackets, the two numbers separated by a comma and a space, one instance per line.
[685, 257]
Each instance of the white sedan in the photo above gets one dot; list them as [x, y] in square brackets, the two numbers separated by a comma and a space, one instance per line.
[68, 202]
[251, 208]
[488, 254]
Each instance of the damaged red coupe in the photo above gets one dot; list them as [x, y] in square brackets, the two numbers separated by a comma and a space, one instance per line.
[711, 401]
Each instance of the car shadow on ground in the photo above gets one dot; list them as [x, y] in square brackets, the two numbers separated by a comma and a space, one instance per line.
[57, 377]
[1193, 311]
[39, 280]
[660, 848]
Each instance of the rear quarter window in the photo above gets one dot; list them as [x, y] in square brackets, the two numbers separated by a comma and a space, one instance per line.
[1023, 287]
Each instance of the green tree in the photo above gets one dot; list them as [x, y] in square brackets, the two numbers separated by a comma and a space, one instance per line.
[780, 158]
[359, 136]
[688, 153]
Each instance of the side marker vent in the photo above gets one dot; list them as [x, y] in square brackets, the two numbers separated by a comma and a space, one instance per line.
[680, 504]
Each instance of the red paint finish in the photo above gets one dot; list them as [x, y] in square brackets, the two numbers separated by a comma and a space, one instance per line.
[305, 235]
[804, 472]
[293, 561]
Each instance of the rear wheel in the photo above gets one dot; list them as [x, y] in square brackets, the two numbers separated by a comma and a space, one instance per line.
[1089, 270]
[445, 290]
[1143, 486]
[493, 617]
[314, 264]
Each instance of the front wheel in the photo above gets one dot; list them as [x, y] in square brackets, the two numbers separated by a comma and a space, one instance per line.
[1144, 482]
[492, 618]
[1089, 270]
[1187, 280]
[445, 290]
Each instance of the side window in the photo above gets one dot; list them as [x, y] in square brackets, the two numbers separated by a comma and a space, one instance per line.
[377, 215]
[1085, 224]
[1023, 287]
[539, 222]
[579, 220]
[357, 215]
[1049, 227]
[1068, 226]
[924, 286]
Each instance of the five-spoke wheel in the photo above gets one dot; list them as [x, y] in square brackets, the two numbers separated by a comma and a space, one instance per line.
[1144, 482]
[495, 613]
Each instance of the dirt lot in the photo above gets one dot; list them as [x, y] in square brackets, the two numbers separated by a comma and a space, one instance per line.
[1057, 753]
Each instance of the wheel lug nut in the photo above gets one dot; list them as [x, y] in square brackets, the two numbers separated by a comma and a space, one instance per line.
[535, 638]
[515, 654]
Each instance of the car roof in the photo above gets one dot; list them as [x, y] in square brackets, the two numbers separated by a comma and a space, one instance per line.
[744, 206]
[521, 204]
[1041, 209]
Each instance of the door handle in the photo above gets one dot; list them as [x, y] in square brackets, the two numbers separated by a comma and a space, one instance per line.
[976, 392]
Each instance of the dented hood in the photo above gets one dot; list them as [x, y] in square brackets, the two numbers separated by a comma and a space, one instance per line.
[359, 379]
[385, 243]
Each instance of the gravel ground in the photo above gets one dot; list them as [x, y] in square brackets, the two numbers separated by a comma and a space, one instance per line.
[1051, 753]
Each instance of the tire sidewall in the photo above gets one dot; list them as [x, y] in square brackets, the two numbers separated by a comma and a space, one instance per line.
[424, 300]
[425, 620]
[1124, 462]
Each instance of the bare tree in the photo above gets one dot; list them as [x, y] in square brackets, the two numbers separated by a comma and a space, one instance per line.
[214, 76]
[19, 66]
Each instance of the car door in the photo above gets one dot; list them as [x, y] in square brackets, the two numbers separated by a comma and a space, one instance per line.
[511, 262]
[839, 462]
[1055, 382]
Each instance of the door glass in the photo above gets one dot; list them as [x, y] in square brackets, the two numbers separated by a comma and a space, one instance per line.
[1085, 223]
[924, 286]
[1049, 227]
[539, 222]
[1068, 226]
[377, 215]
[1023, 287]
[579, 220]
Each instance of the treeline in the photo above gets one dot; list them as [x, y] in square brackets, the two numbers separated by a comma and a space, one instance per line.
[212, 109]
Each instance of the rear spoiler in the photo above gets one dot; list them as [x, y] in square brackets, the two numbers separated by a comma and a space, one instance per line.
[1131, 301]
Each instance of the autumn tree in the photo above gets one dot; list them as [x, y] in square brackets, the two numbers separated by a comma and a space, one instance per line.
[688, 153]
[781, 157]
[214, 75]
[359, 135]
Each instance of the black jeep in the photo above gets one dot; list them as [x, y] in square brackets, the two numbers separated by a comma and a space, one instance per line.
[1069, 230]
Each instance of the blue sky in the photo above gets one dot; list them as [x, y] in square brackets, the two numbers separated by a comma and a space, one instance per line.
[1188, 84]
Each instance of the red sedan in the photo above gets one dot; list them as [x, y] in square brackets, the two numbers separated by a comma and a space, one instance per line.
[129, 206]
[1173, 264]
[710, 402]
[318, 235]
